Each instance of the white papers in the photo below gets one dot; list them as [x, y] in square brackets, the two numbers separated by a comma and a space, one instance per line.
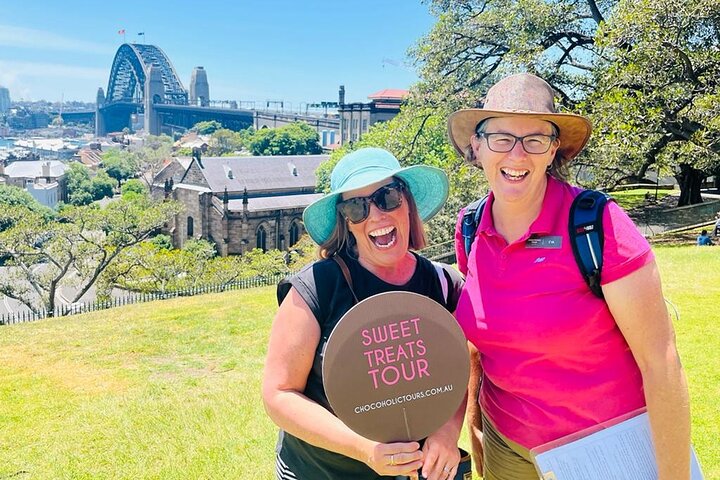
[623, 451]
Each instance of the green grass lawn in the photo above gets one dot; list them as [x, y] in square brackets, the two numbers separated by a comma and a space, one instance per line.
[171, 390]
[629, 199]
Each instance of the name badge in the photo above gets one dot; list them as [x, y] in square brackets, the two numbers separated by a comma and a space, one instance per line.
[550, 241]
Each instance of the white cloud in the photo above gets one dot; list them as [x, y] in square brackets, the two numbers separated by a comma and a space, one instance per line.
[36, 80]
[11, 36]
[14, 70]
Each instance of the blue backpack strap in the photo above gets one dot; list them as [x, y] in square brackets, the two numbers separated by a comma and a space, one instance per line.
[471, 220]
[586, 236]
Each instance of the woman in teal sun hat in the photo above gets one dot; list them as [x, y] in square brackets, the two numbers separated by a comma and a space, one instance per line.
[368, 225]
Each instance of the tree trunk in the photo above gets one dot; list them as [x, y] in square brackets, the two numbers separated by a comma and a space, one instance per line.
[690, 180]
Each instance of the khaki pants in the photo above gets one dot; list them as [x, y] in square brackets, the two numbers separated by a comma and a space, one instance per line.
[503, 458]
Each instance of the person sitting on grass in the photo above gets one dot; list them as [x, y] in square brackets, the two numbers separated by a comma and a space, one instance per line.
[704, 239]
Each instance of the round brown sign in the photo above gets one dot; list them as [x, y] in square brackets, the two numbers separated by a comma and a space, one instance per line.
[396, 367]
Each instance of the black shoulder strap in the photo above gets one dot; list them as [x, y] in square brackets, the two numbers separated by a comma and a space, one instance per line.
[586, 236]
[470, 222]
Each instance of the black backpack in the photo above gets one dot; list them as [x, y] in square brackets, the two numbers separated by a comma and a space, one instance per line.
[586, 233]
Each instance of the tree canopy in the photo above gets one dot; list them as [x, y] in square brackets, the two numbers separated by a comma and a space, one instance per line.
[298, 138]
[74, 249]
[645, 71]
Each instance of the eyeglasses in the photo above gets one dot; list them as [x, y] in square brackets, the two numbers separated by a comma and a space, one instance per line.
[504, 142]
[387, 198]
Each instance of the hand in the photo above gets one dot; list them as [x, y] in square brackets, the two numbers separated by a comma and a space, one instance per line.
[393, 459]
[441, 454]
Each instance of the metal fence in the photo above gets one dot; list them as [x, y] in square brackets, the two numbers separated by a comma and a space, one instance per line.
[134, 297]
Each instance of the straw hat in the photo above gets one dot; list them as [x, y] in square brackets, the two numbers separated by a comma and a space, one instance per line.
[429, 187]
[522, 95]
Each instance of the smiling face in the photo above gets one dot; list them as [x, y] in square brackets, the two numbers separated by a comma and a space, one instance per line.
[516, 176]
[383, 237]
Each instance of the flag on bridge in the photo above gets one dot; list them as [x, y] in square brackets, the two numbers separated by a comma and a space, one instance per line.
[121, 32]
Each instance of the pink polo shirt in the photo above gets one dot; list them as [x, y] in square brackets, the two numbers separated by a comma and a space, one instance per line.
[554, 361]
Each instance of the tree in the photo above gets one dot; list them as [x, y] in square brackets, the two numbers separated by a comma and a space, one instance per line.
[74, 249]
[644, 71]
[102, 185]
[475, 42]
[206, 128]
[658, 95]
[79, 185]
[133, 187]
[119, 164]
[224, 141]
[11, 196]
[297, 138]
[153, 156]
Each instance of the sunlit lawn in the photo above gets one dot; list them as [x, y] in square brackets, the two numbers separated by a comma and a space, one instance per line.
[629, 199]
[171, 390]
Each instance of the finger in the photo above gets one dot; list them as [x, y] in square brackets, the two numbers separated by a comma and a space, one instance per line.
[405, 447]
[404, 458]
[432, 470]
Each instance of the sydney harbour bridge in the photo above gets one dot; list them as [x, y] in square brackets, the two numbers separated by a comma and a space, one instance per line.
[144, 84]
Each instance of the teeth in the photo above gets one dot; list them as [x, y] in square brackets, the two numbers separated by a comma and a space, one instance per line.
[513, 172]
[381, 231]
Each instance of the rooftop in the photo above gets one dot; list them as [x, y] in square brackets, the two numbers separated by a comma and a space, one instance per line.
[389, 94]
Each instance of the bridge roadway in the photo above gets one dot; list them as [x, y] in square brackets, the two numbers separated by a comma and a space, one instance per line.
[185, 116]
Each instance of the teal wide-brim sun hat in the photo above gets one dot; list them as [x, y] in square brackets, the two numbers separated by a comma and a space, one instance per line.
[429, 187]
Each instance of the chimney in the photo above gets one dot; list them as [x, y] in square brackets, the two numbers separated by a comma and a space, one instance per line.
[46, 170]
[196, 154]
[341, 95]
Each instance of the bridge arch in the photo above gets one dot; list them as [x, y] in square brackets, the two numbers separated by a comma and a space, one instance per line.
[130, 70]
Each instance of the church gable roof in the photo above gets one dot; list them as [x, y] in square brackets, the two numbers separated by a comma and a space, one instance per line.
[259, 174]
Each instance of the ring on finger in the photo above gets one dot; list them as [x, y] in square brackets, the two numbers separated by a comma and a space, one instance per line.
[392, 459]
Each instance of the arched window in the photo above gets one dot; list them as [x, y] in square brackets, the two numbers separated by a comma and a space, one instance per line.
[190, 229]
[294, 233]
[260, 237]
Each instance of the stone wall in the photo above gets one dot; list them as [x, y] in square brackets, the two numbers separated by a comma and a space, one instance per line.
[654, 221]
[193, 208]
[235, 233]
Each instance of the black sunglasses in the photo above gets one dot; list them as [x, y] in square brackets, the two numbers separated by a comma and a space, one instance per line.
[387, 198]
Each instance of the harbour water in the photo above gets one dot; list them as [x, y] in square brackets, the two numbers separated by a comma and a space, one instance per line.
[7, 143]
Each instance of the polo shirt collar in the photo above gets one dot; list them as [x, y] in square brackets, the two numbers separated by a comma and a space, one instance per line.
[544, 223]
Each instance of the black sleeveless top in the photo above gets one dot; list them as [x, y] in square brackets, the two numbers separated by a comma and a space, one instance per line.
[328, 295]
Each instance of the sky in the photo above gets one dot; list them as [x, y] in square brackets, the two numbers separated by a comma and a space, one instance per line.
[253, 50]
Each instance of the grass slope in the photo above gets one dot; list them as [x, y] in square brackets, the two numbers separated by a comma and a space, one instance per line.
[171, 390]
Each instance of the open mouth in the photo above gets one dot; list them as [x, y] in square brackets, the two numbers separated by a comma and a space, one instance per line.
[513, 175]
[383, 237]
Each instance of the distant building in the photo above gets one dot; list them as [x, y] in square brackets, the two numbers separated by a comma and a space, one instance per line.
[356, 118]
[240, 203]
[55, 148]
[45, 180]
[4, 100]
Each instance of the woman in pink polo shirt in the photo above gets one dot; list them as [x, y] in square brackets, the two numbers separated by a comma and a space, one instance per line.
[554, 358]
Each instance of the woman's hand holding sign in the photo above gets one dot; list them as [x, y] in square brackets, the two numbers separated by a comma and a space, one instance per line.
[399, 458]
